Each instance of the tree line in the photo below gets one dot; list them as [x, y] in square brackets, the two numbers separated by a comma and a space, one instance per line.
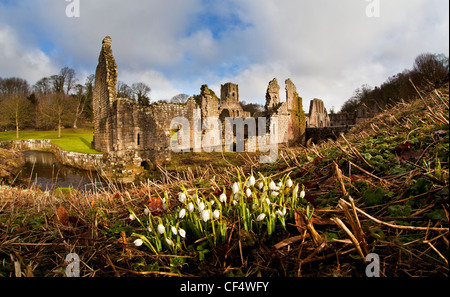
[428, 70]
[55, 102]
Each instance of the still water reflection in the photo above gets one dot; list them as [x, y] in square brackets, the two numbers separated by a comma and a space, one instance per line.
[44, 170]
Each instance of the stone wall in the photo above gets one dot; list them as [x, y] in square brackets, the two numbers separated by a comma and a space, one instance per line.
[318, 116]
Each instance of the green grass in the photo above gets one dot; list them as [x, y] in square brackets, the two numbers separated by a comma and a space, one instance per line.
[74, 140]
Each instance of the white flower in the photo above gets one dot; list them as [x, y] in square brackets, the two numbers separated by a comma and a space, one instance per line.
[248, 192]
[223, 197]
[182, 197]
[169, 242]
[206, 215]
[261, 217]
[302, 194]
[281, 213]
[289, 183]
[182, 213]
[234, 202]
[274, 194]
[277, 188]
[190, 207]
[216, 214]
[254, 206]
[201, 206]
[149, 229]
[138, 242]
[268, 201]
[132, 217]
[182, 233]
[174, 230]
[235, 188]
[161, 229]
[260, 185]
[272, 185]
[251, 181]
[280, 184]
[212, 202]
[146, 211]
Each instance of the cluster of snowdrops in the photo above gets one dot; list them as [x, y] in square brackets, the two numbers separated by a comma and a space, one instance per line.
[257, 205]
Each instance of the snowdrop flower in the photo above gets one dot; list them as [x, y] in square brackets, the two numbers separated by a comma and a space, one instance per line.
[201, 206]
[146, 211]
[149, 229]
[138, 242]
[260, 185]
[272, 185]
[182, 233]
[169, 242]
[206, 215]
[174, 230]
[234, 202]
[277, 188]
[182, 197]
[268, 201]
[223, 197]
[132, 217]
[161, 229]
[289, 183]
[281, 213]
[212, 202]
[216, 214]
[251, 181]
[302, 194]
[190, 207]
[274, 194]
[279, 185]
[248, 192]
[261, 217]
[235, 188]
[182, 213]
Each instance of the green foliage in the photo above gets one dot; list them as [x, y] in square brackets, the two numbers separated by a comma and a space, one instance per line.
[374, 197]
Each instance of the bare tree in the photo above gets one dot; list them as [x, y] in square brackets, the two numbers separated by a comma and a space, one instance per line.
[124, 90]
[43, 86]
[12, 85]
[432, 68]
[64, 81]
[180, 98]
[56, 107]
[140, 92]
[15, 110]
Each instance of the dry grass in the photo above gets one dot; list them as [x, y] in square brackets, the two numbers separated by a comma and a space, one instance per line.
[371, 195]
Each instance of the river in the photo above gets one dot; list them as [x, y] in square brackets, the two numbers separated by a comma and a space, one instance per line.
[42, 169]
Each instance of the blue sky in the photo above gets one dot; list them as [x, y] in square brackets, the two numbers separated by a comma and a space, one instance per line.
[328, 48]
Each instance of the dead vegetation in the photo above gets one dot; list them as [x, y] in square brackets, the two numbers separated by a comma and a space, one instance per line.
[382, 188]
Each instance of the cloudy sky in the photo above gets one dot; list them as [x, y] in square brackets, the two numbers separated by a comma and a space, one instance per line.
[327, 47]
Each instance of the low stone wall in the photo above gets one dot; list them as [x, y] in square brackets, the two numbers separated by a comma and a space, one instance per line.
[78, 160]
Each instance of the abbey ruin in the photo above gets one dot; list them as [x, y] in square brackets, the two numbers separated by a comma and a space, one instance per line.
[144, 134]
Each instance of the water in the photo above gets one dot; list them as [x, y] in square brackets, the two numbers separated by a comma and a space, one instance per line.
[42, 169]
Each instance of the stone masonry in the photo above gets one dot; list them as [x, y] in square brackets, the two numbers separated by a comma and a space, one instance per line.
[138, 134]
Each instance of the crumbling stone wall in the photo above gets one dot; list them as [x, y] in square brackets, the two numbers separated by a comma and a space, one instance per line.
[318, 116]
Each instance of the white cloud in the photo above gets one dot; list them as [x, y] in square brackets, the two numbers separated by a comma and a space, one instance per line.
[17, 60]
[328, 48]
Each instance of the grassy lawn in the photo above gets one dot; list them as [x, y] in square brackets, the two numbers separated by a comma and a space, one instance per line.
[74, 140]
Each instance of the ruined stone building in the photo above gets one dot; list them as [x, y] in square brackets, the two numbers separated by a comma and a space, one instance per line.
[318, 116]
[143, 134]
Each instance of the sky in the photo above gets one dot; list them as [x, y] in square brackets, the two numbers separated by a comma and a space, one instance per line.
[328, 48]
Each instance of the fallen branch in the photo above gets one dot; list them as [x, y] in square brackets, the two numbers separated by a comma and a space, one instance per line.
[396, 226]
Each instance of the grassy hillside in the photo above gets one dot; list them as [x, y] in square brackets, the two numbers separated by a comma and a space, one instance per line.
[382, 189]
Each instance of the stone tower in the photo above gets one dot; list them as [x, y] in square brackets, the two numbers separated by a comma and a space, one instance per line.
[272, 96]
[104, 95]
[229, 91]
[297, 120]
